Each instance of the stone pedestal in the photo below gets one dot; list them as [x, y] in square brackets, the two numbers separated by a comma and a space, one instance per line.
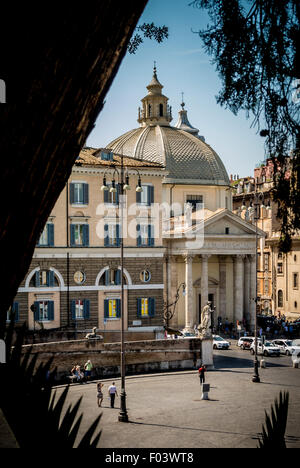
[207, 353]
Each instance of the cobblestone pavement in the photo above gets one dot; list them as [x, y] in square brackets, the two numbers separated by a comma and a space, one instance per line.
[166, 411]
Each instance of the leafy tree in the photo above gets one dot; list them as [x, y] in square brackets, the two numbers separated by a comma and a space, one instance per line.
[149, 31]
[255, 46]
[58, 60]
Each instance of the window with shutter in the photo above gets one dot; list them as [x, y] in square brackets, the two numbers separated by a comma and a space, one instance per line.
[13, 313]
[112, 308]
[79, 193]
[86, 309]
[146, 307]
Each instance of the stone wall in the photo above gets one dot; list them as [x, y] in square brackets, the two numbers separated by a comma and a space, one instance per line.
[141, 356]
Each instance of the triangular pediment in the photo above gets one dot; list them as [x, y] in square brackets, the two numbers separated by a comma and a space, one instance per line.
[224, 222]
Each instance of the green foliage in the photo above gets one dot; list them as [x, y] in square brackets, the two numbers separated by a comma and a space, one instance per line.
[29, 403]
[149, 31]
[255, 47]
[275, 425]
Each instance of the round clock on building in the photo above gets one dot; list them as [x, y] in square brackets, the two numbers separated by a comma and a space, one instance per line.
[79, 277]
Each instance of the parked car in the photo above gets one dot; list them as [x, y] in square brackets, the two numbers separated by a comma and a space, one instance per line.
[267, 349]
[220, 343]
[286, 346]
[245, 342]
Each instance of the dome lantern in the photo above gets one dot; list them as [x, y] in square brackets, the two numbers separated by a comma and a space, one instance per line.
[155, 109]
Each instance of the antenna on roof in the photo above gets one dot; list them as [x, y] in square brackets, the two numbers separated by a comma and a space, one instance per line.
[182, 103]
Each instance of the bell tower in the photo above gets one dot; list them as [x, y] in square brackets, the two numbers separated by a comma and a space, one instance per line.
[155, 109]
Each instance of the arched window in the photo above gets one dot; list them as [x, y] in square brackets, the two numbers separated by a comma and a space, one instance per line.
[112, 277]
[44, 278]
[280, 298]
[161, 110]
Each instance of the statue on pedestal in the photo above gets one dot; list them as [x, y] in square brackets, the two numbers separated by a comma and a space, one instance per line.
[204, 328]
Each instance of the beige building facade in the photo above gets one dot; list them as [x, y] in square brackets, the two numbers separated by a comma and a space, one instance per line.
[277, 273]
[179, 230]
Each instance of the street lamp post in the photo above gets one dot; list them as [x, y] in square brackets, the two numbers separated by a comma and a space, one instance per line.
[258, 203]
[168, 313]
[123, 416]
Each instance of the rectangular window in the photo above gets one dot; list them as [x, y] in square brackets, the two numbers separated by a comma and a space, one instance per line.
[194, 200]
[146, 307]
[145, 235]
[112, 308]
[112, 235]
[112, 198]
[47, 237]
[44, 311]
[107, 156]
[80, 309]
[146, 197]
[295, 280]
[79, 312]
[79, 235]
[279, 268]
[13, 312]
[79, 193]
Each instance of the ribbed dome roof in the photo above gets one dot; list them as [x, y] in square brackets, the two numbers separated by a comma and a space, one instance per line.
[187, 158]
[185, 155]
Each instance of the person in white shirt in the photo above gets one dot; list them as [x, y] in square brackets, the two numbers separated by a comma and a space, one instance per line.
[112, 391]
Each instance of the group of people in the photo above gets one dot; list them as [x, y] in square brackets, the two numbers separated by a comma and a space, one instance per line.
[82, 375]
[275, 326]
[112, 392]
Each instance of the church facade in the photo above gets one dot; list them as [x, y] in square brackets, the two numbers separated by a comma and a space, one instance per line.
[180, 231]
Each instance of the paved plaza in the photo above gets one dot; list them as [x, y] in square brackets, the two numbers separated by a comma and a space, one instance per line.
[166, 411]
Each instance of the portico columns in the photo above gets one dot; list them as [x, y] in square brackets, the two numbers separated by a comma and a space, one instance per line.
[252, 290]
[238, 286]
[204, 280]
[247, 288]
[222, 287]
[189, 303]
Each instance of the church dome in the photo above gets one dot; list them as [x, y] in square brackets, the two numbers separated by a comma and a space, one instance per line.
[188, 159]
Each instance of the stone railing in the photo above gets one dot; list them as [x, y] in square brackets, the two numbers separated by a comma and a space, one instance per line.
[141, 356]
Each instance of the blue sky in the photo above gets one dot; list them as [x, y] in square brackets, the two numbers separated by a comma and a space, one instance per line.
[182, 66]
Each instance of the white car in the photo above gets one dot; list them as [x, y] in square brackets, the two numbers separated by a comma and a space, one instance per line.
[220, 343]
[267, 349]
[286, 346]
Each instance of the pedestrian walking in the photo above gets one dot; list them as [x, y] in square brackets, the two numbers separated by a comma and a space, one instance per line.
[99, 393]
[201, 371]
[112, 392]
[88, 369]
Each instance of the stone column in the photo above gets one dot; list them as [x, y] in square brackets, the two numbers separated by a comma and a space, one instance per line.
[247, 288]
[222, 287]
[173, 285]
[252, 290]
[204, 280]
[189, 293]
[238, 285]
